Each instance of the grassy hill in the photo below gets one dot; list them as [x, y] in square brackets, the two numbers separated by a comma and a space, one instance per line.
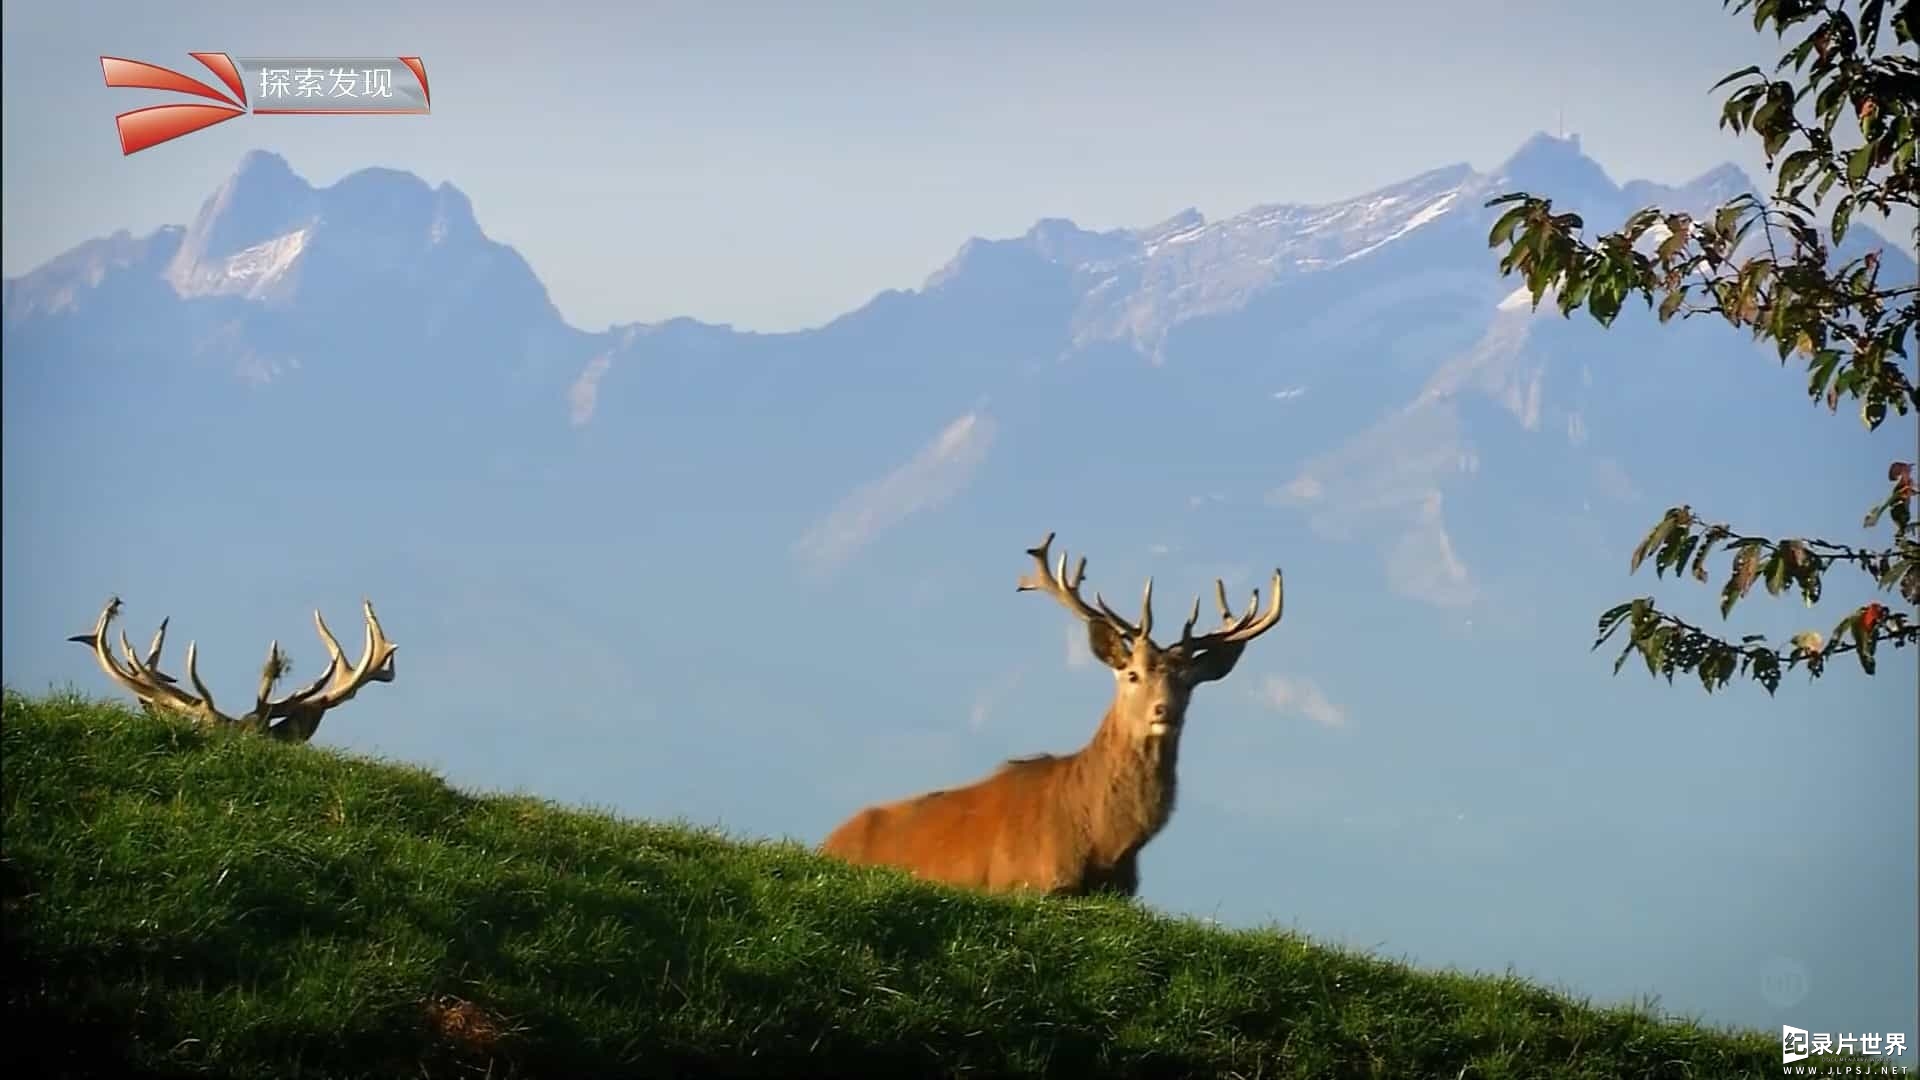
[180, 902]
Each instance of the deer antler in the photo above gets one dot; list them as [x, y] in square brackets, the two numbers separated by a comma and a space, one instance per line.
[1233, 631]
[298, 712]
[1065, 588]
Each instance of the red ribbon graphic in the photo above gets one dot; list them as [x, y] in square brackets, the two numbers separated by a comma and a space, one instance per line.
[151, 126]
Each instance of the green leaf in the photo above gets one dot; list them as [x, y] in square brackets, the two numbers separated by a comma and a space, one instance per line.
[1621, 660]
[1700, 558]
[1827, 105]
[1745, 72]
[1502, 231]
[1604, 305]
[1870, 14]
[1653, 540]
[1863, 641]
[1682, 551]
[1766, 669]
[1639, 222]
[1610, 622]
[1745, 566]
[1820, 371]
[1803, 568]
[1797, 58]
[1827, 179]
[1896, 569]
[1653, 649]
[1795, 164]
[1725, 217]
[1574, 293]
[1675, 242]
[1776, 573]
[1858, 162]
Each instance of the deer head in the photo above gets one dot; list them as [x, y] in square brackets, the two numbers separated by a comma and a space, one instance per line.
[294, 717]
[1152, 683]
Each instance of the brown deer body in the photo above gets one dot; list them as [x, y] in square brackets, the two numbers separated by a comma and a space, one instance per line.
[1071, 824]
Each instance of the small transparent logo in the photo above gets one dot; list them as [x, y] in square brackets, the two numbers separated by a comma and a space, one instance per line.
[280, 86]
[1784, 982]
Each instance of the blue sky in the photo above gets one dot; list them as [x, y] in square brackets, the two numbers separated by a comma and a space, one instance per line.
[774, 165]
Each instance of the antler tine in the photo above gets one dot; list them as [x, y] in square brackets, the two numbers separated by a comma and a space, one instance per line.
[97, 641]
[335, 658]
[1145, 628]
[1065, 588]
[377, 664]
[1187, 640]
[270, 672]
[146, 668]
[152, 661]
[1038, 554]
[1243, 628]
[297, 696]
[149, 686]
[207, 707]
[339, 682]
[1071, 582]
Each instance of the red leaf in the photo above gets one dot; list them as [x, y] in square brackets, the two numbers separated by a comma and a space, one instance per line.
[1870, 615]
[1901, 474]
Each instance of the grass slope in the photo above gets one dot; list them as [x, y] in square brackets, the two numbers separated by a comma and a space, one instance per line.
[180, 902]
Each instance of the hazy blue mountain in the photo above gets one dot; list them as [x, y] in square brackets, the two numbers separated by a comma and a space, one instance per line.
[761, 579]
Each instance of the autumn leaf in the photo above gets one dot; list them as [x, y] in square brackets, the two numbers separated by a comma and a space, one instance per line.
[1870, 615]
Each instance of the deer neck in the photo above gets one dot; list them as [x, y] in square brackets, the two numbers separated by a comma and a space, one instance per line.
[1125, 788]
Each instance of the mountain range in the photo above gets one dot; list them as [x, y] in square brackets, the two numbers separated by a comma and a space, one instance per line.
[759, 579]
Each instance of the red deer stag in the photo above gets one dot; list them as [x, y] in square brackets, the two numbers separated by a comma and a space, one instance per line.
[1073, 824]
[293, 718]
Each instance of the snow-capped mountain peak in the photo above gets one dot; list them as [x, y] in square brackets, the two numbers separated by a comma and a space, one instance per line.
[1136, 285]
[254, 236]
[1186, 267]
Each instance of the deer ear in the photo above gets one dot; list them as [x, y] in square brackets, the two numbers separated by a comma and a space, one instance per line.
[1108, 646]
[1214, 664]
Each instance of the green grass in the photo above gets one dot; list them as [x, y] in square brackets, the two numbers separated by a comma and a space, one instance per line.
[181, 902]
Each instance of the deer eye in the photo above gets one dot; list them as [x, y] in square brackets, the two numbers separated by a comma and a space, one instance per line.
[1133, 676]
